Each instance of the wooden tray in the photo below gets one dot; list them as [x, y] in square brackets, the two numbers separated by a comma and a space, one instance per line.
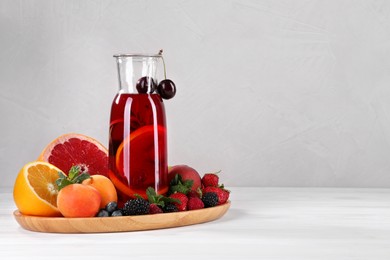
[120, 224]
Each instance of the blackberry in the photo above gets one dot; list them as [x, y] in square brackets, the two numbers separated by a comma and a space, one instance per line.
[103, 213]
[210, 199]
[170, 208]
[111, 207]
[117, 213]
[136, 207]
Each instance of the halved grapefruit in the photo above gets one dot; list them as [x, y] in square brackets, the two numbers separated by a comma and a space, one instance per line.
[76, 150]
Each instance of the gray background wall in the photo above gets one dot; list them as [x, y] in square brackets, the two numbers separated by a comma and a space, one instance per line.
[273, 93]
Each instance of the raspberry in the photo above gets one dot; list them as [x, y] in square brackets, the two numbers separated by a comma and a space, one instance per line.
[154, 209]
[195, 203]
[193, 194]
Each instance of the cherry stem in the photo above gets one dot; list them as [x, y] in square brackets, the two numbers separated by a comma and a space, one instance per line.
[165, 70]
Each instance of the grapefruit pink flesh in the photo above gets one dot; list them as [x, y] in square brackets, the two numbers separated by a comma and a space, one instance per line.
[77, 150]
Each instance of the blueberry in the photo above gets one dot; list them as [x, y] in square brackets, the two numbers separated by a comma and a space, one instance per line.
[117, 213]
[111, 206]
[103, 213]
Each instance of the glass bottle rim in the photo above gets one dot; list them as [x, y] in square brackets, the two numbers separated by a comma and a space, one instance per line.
[137, 55]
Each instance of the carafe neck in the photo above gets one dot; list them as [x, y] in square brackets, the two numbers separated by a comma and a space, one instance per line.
[137, 73]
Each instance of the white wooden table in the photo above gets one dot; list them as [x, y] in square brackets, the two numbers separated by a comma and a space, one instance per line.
[262, 223]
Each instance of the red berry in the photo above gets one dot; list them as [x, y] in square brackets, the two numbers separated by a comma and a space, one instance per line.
[182, 205]
[195, 203]
[154, 209]
[223, 195]
[193, 194]
[210, 180]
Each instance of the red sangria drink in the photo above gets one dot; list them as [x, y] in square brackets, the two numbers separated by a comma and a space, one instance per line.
[138, 134]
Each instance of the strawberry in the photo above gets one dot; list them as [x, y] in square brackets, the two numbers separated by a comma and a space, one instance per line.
[223, 195]
[210, 180]
[195, 203]
[160, 201]
[183, 200]
[154, 209]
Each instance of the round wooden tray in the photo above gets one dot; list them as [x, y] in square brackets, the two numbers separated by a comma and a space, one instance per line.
[120, 224]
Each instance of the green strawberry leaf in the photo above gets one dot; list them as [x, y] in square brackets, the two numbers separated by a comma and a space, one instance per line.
[159, 200]
[178, 185]
[170, 200]
[188, 183]
[179, 188]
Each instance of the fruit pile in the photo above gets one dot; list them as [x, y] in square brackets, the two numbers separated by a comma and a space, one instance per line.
[181, 196]
[43, 189]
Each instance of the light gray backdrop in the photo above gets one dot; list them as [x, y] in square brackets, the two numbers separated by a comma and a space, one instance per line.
[273, 93]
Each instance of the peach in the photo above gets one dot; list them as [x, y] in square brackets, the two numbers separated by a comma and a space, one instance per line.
[187, 173]
[78, 200]
[105, 187]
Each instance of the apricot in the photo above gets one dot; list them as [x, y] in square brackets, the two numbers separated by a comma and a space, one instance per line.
[105, 187]
[78, 201]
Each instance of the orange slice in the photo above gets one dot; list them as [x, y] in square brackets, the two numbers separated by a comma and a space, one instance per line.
[76, 149]
[35, 190]
[142, 145]
[141, 141]
[120, 186]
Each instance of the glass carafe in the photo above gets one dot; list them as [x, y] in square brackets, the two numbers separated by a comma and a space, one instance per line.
[138, 135]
